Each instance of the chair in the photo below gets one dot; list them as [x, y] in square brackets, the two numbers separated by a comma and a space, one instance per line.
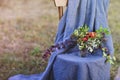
[79, 68]
[60, 4]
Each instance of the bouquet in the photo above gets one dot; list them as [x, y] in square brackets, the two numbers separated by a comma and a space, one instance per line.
[88, 42]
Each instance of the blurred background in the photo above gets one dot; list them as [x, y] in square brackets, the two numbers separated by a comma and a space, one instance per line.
[28, 27]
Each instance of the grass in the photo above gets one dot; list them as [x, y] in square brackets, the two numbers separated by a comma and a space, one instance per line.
[26, 31]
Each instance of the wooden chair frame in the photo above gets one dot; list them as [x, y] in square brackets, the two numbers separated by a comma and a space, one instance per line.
[60, 11]
[60, 7]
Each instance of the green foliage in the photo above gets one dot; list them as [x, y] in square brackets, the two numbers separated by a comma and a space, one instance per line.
[35, 51]
[81, 31]
[103, 30]
[109, 58]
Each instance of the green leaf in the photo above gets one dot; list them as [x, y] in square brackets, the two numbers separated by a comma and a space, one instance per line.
[111, 62]
[104, 54]
[114, 58]
[81, 47]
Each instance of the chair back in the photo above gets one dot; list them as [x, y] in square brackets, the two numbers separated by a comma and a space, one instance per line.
[60, 4]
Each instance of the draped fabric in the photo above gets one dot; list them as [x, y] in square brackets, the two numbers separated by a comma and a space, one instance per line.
[92, 13]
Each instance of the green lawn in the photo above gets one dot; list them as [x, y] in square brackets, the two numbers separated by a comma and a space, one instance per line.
[26, 31]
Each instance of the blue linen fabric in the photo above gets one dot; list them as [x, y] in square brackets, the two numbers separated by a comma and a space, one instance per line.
[66, 64]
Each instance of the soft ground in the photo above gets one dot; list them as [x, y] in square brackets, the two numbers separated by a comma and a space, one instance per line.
[28, 27]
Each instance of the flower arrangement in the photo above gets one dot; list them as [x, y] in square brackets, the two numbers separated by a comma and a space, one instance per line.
[88, 42]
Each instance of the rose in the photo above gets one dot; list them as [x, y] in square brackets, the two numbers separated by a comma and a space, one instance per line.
[84, 39]
[92, 34]
[89, 35]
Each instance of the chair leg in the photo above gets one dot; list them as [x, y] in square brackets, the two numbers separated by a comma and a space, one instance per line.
[60, 11]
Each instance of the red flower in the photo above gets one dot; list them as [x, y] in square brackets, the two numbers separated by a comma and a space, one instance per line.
[84, 39]
[92, 34]
[87, 36]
